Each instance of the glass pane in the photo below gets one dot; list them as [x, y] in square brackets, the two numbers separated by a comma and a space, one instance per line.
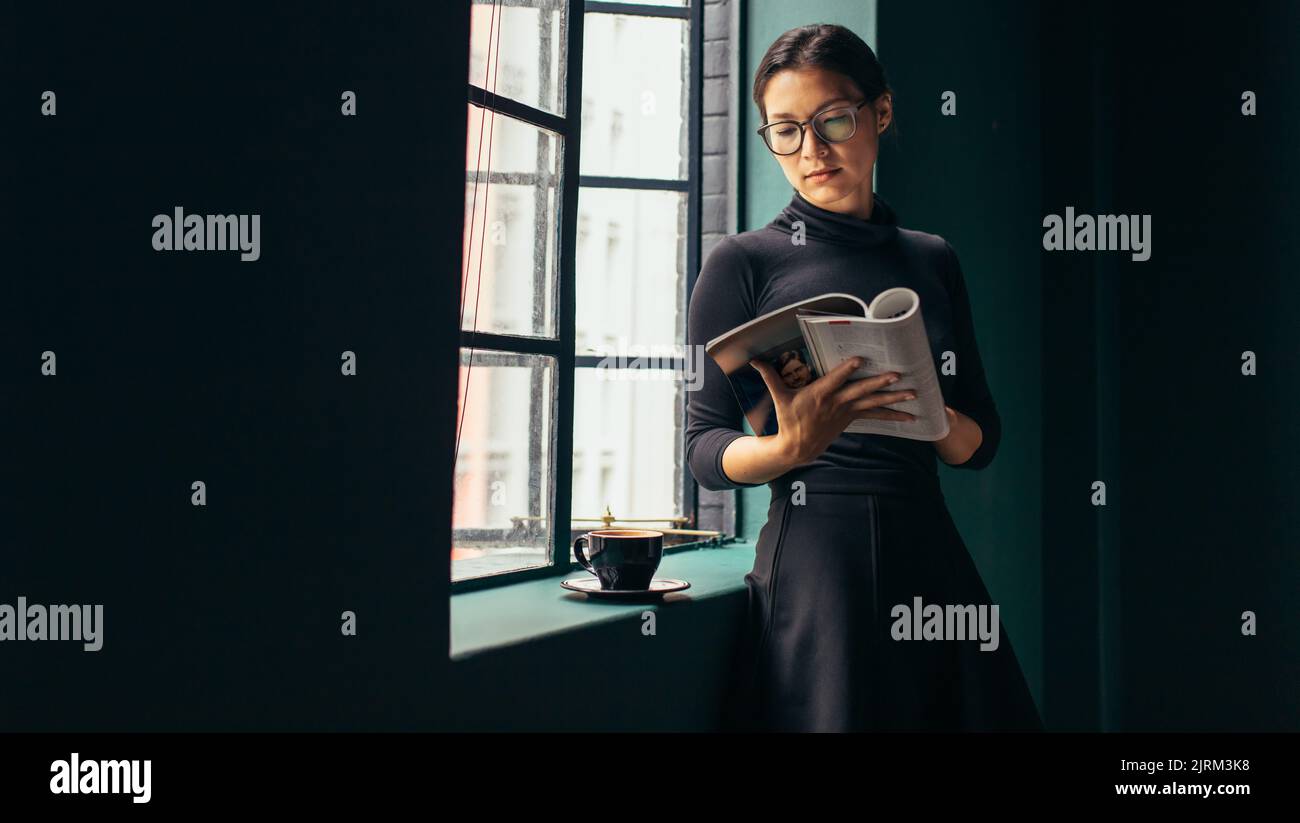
[631, 262]
[501, 520]
[633, 96]
[515, 50]
[510, 235]
[627, 448]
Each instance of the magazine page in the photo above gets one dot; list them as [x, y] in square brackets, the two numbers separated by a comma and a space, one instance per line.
[891, 338]
[778, 339]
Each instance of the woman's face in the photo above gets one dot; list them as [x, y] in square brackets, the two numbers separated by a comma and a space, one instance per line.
[798, 94]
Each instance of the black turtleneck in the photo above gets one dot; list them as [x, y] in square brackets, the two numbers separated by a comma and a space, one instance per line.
[758, 271]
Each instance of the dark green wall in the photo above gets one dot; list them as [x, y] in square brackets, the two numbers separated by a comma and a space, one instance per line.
[1142, 385]
[1137, 112]
[607, 676]
[1208, 470]
[765, 189]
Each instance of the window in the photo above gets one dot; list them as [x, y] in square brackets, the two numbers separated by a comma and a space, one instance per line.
[581, 230]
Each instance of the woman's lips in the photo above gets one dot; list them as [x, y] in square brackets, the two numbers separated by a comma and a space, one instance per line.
[823, 176]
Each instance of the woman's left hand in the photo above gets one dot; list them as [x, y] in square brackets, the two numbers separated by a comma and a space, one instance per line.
[963, 440]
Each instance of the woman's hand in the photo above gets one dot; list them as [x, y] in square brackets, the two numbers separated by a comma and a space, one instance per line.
[963, 440]
[811, 418]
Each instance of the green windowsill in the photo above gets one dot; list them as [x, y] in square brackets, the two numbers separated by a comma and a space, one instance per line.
[521, 612]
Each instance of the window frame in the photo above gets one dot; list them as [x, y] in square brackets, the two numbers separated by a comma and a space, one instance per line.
[567, 129]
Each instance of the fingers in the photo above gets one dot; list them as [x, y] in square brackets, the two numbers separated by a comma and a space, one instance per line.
[833, 379]
[887, 414]
[881, 399]
[775, 384]
[862, 388]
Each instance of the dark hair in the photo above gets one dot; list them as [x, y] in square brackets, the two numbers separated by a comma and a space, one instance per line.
[787, 356]
[825, 46]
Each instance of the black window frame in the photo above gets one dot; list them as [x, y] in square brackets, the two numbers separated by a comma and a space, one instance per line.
[506, 348]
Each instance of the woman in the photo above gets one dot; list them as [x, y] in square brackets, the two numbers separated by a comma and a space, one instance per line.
[857, 524]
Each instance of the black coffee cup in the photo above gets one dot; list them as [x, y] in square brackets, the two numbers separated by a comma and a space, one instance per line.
[624, 559]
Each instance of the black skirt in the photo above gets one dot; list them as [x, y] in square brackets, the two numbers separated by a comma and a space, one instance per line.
[834, 568]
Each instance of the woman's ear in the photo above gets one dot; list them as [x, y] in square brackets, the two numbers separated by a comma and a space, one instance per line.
[884, 112]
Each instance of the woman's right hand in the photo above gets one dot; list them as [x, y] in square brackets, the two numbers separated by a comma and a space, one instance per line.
[809, 419]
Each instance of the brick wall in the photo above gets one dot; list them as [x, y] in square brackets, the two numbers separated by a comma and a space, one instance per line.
[718, 179]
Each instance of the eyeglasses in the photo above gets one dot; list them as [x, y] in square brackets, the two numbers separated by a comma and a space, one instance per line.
[833, 125]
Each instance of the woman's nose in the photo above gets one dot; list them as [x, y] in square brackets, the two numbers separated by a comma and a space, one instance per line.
[812, 143]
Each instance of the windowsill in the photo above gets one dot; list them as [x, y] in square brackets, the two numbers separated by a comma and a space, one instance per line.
[517, 613]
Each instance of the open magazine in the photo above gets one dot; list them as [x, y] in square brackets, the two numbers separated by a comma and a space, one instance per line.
[807, 339]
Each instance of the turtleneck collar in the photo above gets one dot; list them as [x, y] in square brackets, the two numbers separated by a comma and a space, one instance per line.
[833, 227]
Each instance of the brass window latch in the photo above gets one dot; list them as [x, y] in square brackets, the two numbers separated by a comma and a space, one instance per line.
[609, 520]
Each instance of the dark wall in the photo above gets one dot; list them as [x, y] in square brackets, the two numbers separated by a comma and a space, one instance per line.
[325, 493]
[1208, 474]
[607, 676]
[1125, 110]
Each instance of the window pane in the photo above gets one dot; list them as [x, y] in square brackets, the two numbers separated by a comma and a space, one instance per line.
[501, 519]
[510, 235]
[631, 262]
[530, 42]
[627, 448]
[633, 96]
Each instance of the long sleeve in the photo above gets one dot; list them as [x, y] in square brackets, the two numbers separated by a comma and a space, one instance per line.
[972, 396]
[722, 299]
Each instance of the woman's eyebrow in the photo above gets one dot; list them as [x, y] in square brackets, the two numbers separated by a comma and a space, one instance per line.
[782, 115]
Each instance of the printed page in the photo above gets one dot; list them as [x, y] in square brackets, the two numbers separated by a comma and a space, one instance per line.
[899, 346]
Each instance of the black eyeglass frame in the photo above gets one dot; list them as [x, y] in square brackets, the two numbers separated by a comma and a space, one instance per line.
[763, 129]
